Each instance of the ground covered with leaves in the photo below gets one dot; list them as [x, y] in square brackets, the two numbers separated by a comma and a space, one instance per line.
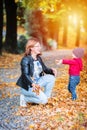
[60, 113]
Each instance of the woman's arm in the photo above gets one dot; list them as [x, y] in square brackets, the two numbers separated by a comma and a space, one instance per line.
[46, 69]
[25, 71]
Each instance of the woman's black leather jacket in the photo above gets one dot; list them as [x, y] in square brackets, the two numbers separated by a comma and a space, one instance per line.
[27, 69]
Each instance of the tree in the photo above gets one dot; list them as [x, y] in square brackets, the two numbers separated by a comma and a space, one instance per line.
[36, 26]
[78, 34]
[1, 24]
[51, 13]
[65, 30]
[11, 26]
[79, 8]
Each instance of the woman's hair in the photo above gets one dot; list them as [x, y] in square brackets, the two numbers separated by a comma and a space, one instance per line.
[30, 43]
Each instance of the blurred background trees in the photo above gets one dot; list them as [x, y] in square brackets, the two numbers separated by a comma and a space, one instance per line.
[1, 24]
[8, 10]
[63, 22]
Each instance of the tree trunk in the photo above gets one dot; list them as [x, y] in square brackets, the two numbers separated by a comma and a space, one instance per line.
[56, 31]
[1, 24]
[11, 26]
[65, 32]
[78, 35]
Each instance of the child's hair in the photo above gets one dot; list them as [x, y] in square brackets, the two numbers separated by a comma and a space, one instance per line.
[78, 52]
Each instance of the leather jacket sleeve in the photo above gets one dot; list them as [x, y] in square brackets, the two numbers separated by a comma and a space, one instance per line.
[25, 70]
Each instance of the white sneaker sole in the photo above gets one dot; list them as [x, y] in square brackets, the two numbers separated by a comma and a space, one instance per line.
[22, 101]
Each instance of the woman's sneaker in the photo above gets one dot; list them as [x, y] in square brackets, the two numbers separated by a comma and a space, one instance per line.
[23, 103]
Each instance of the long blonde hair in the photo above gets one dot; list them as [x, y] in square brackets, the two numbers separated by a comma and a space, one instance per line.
[31, 43]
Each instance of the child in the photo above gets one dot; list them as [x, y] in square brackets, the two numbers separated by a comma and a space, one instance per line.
[75, 66]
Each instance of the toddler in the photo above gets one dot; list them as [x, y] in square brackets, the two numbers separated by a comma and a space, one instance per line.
[75, 66]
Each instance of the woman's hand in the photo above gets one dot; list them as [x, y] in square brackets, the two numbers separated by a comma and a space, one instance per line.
[54, 71]
[36, 88]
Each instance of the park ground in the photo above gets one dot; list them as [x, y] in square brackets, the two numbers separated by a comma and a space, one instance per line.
[61, 113]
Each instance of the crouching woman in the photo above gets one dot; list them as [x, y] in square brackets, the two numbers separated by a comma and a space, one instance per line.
[35, 75]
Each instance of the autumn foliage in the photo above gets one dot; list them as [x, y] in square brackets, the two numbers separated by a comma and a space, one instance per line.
[60, 113]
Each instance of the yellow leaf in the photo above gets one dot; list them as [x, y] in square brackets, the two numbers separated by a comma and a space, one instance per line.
[31, 126]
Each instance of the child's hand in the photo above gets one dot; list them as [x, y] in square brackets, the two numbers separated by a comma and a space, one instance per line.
[59, 62]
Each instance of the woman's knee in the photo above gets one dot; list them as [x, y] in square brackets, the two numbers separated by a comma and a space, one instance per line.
[44, 100]
[51, 78]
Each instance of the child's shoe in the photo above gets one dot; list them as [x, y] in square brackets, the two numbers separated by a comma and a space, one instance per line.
[74, 99]
[23, 103]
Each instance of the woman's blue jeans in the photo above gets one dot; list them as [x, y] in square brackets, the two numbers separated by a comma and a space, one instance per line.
[73, 82]
[47, 82]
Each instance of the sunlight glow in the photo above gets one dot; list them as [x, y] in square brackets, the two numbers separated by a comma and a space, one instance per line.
[82, 29]
[73, 19]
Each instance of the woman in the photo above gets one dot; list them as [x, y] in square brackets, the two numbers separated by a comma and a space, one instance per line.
[35, 76]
